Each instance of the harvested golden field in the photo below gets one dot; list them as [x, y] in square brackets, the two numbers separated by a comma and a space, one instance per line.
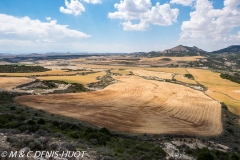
[94, 66]
[162, 75]
[76, 79]
[9, 83]
[181, 78]
[233, 105]
[120, 71]
[188, 58]
[220, 89]
[142, 107]
[169, 70]
[52, 72]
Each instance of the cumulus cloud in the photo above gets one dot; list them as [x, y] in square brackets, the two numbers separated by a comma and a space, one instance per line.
[24, 28]
[93, 1]
[212, 26]
[48, 18]
[144, 13]
[182, 2]
[74, 7]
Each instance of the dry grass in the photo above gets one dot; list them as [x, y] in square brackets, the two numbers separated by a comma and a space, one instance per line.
[162, 75]
[217, 87]
[52, 72]
[181, 78]
[9, 83]
[142, 107]
[76, 79]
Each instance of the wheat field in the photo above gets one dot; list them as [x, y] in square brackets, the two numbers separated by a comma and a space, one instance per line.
[89, 78]
[220, 89]
[161, 75]
[9, 83]
[143, 107]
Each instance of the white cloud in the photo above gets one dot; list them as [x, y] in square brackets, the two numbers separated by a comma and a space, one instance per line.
[74, 7]
[24, 30]
[48, 18]
[212, 27]
[144, 13]
[93, 1]
[182, 2]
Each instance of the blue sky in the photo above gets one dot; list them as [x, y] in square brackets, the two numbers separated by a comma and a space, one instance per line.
[40, 26]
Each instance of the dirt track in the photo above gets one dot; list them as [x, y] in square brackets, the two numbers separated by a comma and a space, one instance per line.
[142, 107]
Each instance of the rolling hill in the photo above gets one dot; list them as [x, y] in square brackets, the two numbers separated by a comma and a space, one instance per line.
[179, 51]
[230, 49]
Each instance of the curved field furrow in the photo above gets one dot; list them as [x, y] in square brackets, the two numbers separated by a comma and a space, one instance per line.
[143, 107]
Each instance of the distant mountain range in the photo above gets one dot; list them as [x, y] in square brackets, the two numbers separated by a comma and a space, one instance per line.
[179, 51]
[230, 49]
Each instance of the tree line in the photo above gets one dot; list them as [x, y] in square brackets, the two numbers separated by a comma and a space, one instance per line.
[21, 69]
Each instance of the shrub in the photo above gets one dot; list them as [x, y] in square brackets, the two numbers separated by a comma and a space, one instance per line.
[31, 122]
[11, 139]
[189, 76]
[105, 131]
[205, 156]
[73, 135]
[35, 145]
[41, 121]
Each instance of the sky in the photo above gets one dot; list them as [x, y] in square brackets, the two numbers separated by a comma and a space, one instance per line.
[117, 26]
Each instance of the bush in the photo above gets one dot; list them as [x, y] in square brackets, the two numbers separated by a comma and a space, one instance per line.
[31, 122]
[13, 108]
[234, 157]
[73, 135]
[119, 149]
[54, 146]
[41, 121]
[35, 145]
[103, 139]
[105, 131]
[205, 156]
[11, 139]
[189, 76]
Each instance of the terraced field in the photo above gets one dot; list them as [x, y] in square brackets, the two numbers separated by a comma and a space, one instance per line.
[76, 79]
[9, 83]
[143, 107]
[220, 89]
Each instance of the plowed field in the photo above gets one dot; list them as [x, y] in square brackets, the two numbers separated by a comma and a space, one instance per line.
[142, 107]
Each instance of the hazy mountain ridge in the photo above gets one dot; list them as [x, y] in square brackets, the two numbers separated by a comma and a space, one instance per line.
[181, 48]
[179, 51]
[230, 49]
